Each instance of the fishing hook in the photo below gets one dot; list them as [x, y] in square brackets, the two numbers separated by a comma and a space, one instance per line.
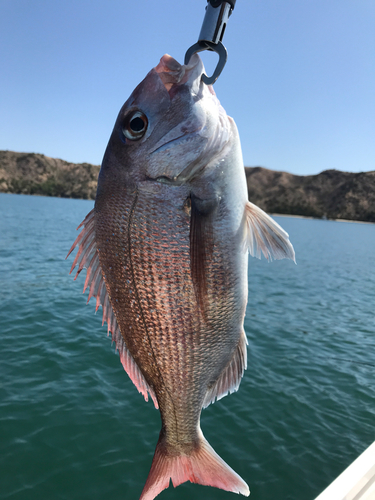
[211, 35]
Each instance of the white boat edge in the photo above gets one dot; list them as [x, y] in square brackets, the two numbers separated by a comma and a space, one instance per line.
[357, 482]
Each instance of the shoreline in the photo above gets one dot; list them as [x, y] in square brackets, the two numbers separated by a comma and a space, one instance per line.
[318, 218]
[269, 213]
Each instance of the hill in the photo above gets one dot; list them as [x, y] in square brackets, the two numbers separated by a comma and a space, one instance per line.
[31, 173]
[332, 194]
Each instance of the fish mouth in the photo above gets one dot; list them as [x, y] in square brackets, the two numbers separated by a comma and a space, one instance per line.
[174, 76]
[196, 138]
[171, 72]
[187, 175]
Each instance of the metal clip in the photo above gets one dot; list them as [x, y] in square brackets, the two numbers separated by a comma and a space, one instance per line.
[211, 35]
[219, 49]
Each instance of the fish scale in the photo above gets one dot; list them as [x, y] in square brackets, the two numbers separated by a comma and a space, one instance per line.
[182, 344]
[184, 352]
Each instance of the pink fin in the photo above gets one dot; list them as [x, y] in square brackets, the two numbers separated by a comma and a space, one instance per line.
[87, 257]
[230, 378]
[264, 235]
[202, 465]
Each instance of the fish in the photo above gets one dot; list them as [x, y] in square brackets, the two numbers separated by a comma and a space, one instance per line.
[166, 251]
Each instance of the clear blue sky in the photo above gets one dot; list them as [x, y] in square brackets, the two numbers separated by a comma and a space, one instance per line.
[299, 82]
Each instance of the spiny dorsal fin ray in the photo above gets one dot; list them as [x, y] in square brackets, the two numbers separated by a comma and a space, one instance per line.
[264, 235]
[87, 257]
[230, 377]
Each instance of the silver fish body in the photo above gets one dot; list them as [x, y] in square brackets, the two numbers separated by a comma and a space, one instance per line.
[166, 250]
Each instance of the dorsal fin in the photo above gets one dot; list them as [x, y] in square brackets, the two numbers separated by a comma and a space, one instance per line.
[264, 235]
[87, 257]
[230, 378]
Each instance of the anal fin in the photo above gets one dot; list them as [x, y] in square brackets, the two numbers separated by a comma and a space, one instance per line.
[230, 378]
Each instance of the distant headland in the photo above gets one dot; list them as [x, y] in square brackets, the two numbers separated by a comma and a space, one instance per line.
[332, 194]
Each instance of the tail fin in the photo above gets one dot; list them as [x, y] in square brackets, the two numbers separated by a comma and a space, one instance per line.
[202, 465]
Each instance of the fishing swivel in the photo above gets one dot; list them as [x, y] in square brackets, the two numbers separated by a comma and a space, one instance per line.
[211, 35]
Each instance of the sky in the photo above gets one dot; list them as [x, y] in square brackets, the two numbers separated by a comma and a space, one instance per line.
[299, 81]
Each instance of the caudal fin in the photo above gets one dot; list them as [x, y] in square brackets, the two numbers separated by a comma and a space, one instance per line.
[202, 465]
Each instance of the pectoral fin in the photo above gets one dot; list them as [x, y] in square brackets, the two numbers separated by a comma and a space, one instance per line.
[263, 235]
[201, 245]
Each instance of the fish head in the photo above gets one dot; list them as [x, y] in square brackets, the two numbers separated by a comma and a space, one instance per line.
[169, 129]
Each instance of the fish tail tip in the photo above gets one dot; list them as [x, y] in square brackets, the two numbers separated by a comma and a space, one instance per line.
[202, 465]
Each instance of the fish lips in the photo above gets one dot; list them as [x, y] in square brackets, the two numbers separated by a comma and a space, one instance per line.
[173, 74]
[180, 152]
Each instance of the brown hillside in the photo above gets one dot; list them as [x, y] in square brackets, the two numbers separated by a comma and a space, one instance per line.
[331, 194]
[30, 173]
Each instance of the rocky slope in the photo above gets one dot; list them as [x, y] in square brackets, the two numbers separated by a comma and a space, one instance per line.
[331, 194]
[30, 173]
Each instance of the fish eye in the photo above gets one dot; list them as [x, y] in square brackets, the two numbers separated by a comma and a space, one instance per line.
[135, 125]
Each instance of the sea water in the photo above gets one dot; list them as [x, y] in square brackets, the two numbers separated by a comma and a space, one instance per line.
[73, 426]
